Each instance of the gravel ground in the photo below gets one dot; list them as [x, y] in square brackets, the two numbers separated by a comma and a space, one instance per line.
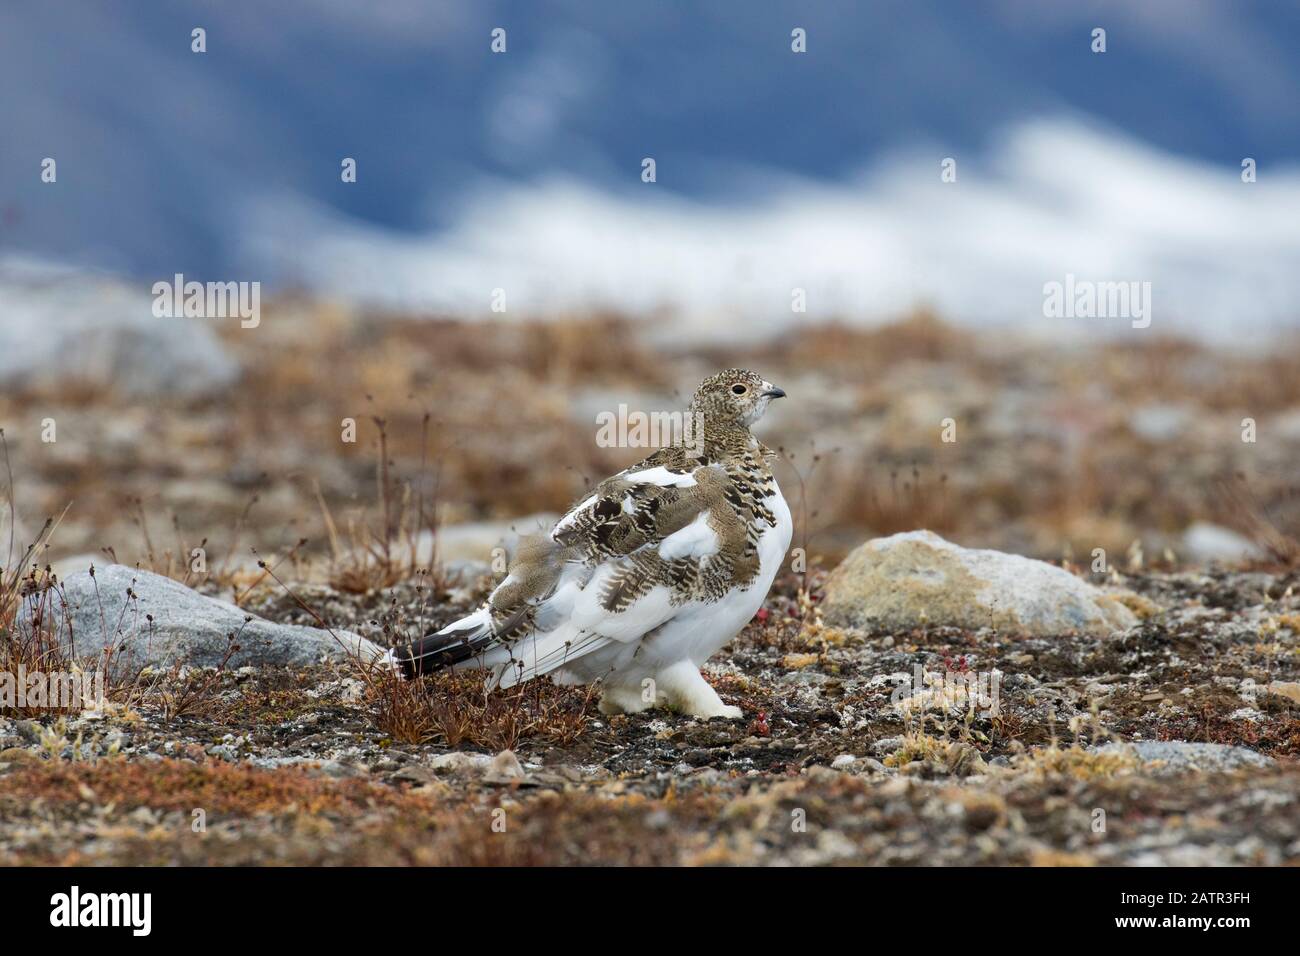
[832, 763]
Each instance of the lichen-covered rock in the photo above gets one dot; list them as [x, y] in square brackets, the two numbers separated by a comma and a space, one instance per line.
[159, 622]
[917, 578]
[1285, 688]
[1181, 756]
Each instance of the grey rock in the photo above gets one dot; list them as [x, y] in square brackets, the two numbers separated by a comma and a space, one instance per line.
[506, 764]
[1204, 542]
[886, 746]
[186, 627]
[102, 332]
[335, 768]
[413, 774]
[848, 763]
[1178, 756]
[820, 773]
[459, 762]
[29, 730]
[917, 579]
[963, 760]
[330, 768]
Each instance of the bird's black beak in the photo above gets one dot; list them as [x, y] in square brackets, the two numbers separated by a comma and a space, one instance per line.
[774, 392]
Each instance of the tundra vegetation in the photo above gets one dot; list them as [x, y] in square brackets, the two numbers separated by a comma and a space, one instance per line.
[1158, 470]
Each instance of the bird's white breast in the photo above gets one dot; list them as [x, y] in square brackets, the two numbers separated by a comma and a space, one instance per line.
[775, 541]
[706, 626]
[692, 631]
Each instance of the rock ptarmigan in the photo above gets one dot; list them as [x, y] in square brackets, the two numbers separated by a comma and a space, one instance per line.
[645, 578]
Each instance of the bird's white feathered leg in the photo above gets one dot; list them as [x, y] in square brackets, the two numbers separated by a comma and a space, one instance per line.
[689, 693]
[622, 699]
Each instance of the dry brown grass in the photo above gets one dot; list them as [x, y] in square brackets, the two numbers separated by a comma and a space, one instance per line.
[292, 816]
[30, 620]
[37, 637]
[920, 336]
[456, 708]
[888, 499]
[1075, 762]
[192, 692]
[30, 637]
[1157, 368]
[452, 392]
[386, 549]
[216, 786]
[1242, 508]
[468, 406]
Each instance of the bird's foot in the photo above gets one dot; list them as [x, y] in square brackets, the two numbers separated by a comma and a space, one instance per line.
[622, 700]
[689, 693]
[727, 711]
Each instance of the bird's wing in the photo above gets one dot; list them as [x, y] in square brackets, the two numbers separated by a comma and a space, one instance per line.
[610, 570]
[636, 508]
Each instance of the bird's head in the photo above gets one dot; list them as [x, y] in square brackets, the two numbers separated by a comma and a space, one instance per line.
[736, 396]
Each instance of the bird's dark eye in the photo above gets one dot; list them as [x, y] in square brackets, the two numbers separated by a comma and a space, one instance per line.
[739, 389]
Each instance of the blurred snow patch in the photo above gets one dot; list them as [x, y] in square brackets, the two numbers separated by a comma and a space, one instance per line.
[1052, 197]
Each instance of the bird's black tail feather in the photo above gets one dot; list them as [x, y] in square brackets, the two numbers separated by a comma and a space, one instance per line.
[446, 648]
